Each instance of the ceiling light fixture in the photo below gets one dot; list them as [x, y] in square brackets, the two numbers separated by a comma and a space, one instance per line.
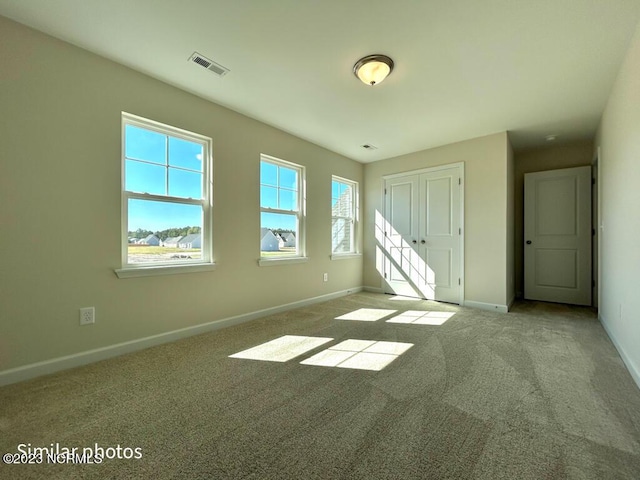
[373, 69]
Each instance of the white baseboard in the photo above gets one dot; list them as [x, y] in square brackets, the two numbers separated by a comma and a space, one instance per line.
[33, 370]
[373, 289]
[467, 303]
[487, 306]
[633, 368]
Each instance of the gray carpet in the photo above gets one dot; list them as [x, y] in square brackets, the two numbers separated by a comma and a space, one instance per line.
[539, 393]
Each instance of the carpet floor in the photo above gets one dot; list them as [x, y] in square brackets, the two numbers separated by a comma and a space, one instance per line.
[538, 393]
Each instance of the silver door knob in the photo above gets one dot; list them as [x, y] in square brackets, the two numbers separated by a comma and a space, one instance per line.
[414, 241]
[423, 241]
[528, 242]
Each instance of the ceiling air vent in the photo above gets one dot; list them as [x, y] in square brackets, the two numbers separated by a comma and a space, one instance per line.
[208, 64]
[368, 146]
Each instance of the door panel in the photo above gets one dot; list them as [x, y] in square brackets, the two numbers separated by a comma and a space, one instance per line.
[402, 208]
[556, 268]
[558, 236]
[439, 264]
[556, 209]
[400, 231]
[438, 206]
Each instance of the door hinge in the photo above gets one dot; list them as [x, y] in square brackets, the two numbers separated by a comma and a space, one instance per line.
[460, 231]
[385, 274]
[593, 231]
[458, 281]
[459, 181]
[593, 283]
[385, 191]
[593, 181]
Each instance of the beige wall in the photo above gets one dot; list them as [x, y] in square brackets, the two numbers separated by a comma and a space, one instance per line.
[539, 160]
[619, 172]
[485, 205]
[60, 206]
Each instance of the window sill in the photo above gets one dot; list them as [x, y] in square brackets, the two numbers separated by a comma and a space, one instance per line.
[164, 270]
[271, 262]
[345, 256]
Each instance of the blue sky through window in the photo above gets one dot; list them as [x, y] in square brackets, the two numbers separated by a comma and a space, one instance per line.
[278, 220]
[278, 190]
[159, 164]
[158, 216]
[337, 191]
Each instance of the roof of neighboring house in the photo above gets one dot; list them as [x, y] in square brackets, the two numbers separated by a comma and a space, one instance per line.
[265, 231]
[173, 239]
[190, 238]
[149, 237]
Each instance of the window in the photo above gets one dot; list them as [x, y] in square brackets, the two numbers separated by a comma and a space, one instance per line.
[281, 209]
[166, 195]
[344, 198]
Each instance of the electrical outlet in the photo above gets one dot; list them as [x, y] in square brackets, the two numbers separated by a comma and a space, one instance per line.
[87, 316]
[325, 277]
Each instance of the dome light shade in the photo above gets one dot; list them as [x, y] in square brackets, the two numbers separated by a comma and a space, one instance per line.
[373, 69]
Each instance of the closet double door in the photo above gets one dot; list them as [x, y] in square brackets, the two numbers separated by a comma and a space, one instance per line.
[421, 234]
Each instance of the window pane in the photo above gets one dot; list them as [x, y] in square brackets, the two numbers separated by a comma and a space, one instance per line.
[185, 184]
[342, 207]
[288, 200]
[345, 191]
[340, 235]
[343, 221]
[145, 178]
[288, 178]
[335, 190]
[278, 234]
[268, 197]
[145, 145]
[163, 231]
[268, 174]
[185, 154]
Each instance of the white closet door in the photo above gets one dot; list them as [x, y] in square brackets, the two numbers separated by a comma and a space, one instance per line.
[439, 237]
[421, 247]
[400, 225]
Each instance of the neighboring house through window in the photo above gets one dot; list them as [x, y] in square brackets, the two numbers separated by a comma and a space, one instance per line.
[344, 198]
[166, 195]
[281, 209]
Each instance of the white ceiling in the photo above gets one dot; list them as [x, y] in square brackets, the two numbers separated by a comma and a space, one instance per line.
[464, 68]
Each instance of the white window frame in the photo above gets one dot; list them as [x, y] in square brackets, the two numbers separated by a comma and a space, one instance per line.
[353, 218]
[300, 255]
[206, 202]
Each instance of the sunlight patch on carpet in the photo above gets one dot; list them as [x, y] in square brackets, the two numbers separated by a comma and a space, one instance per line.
[418, 317]
[359, 355]
[282, 349]
[367, 314]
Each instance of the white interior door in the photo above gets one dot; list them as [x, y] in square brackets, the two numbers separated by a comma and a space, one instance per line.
[400, 236]
[557, 232]
[439, 235]
[422, 234]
